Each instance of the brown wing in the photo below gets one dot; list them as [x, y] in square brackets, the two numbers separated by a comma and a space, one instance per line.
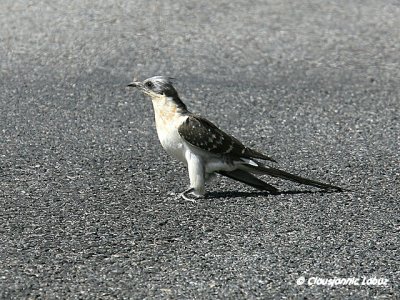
[203, 134]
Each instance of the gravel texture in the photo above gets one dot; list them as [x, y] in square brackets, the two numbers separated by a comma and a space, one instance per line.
[88, 198]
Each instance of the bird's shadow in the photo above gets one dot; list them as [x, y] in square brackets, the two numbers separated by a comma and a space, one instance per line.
[235, 194]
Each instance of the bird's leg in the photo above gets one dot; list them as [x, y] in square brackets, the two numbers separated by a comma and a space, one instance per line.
[196, 176]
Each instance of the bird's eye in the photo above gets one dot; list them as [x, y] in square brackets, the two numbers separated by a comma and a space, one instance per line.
[149, 84]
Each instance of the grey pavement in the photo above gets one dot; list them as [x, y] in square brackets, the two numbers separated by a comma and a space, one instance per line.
[88, 198]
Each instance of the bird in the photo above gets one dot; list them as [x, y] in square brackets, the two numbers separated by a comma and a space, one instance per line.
[205, 149]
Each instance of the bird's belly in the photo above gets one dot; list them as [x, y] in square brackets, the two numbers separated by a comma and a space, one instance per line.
[172, 143]
[214, 162]
[218, 164]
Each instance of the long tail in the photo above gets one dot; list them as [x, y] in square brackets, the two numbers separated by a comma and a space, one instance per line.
[285, 175]
[247, 178]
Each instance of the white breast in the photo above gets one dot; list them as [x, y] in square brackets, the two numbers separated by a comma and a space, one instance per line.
[171, 141]
[168, 120]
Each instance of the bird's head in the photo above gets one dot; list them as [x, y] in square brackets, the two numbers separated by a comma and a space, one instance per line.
[159, 87]
[156, 86]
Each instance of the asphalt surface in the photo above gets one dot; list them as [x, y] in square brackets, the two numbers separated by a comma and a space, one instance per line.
[88, 198]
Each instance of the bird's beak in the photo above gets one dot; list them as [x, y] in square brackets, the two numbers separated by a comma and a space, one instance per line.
[135, 84]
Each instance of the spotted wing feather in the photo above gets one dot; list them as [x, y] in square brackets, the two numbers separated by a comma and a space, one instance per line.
[203, 134]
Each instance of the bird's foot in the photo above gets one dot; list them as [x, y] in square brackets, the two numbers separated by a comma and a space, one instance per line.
[190, 191]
